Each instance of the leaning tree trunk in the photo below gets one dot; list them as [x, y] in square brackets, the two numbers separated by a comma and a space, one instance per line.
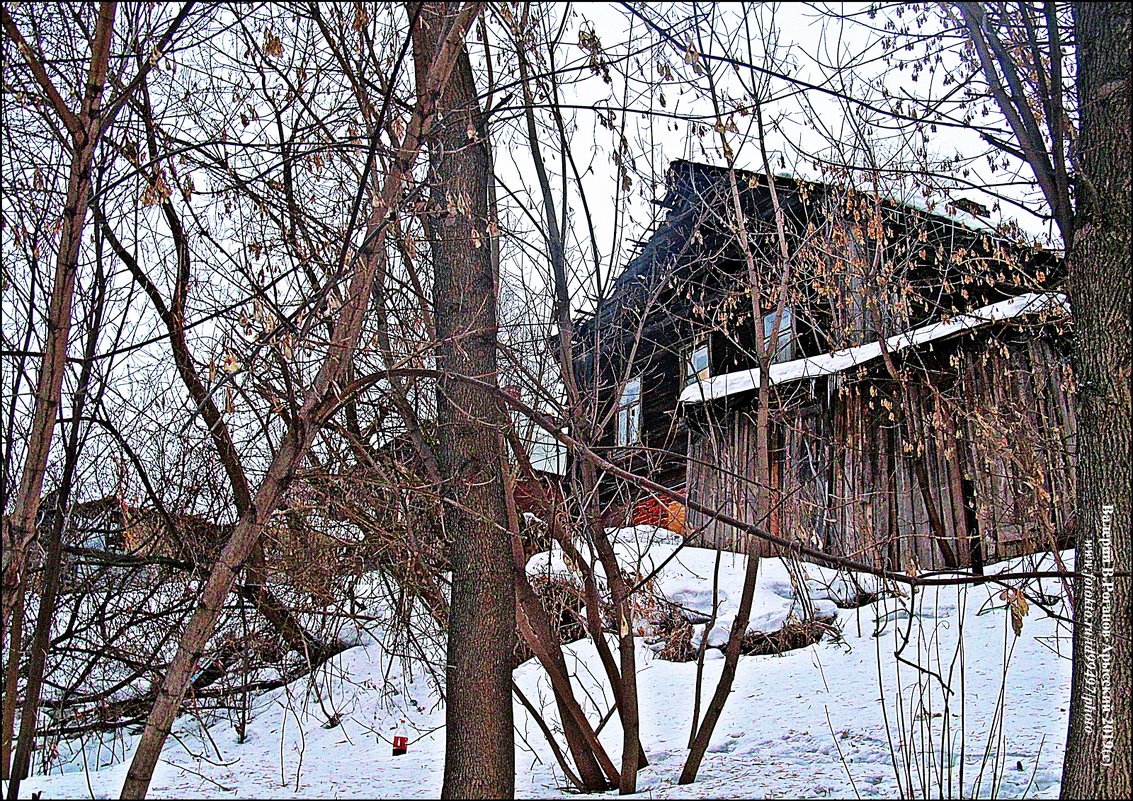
[1098, 761]
[479, 743]
[320, 400]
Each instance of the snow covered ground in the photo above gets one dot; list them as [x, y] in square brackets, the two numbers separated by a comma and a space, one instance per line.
[932, 691]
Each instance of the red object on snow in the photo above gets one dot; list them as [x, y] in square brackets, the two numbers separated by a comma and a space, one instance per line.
[400, 741]
[651, 511]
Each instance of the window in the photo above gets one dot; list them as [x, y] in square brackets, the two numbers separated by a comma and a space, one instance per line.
[784, 345]
[629, 413]
[696, 362]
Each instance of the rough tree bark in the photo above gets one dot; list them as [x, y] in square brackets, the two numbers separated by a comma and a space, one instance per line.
[1098, 761]
[479, 742]
[317, 402]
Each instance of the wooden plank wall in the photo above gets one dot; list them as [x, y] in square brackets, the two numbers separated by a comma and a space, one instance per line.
[721, 464]
[1019, 438]
[995, 431]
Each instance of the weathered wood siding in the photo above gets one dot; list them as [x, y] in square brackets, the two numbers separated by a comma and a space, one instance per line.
[993, 425]
[1020, 438]
[721, 464]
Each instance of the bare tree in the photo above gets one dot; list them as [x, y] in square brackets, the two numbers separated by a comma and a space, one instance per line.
[338, 339]
[82, 131]
[1085, 181]
[1100, 291]
[479, 753]
[317, 402]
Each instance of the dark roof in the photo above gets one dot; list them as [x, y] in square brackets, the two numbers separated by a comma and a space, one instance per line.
[692, 187]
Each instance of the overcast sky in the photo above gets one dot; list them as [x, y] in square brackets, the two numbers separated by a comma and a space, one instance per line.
[670, 116]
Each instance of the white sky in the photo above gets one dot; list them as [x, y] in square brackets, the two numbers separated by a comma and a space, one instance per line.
[799, 124]
[675, 123]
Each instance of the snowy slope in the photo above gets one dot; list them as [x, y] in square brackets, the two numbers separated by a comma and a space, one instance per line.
[809, 723]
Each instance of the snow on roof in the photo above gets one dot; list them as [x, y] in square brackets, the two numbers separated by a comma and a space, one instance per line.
[829, 363]
[904, 197]
[943, 209]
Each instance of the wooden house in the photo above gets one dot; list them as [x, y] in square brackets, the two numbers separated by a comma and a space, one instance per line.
[920, 409]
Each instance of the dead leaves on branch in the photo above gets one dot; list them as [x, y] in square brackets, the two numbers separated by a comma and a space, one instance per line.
[1017, 607]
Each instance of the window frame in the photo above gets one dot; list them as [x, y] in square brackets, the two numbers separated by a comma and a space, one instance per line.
[628, 415]
[691, 353]
[785, 344]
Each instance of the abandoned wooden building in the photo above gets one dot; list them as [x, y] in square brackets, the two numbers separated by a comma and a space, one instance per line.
[919, 401]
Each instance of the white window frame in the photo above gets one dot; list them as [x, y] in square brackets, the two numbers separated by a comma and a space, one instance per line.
[628, 417]
[784, 346]
[694, 355]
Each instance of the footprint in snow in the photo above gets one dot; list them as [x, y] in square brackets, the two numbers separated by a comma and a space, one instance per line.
[725, 747]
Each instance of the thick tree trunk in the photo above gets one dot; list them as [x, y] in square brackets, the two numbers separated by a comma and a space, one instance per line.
[318, 401]
[479, 742]
[1098, 761]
